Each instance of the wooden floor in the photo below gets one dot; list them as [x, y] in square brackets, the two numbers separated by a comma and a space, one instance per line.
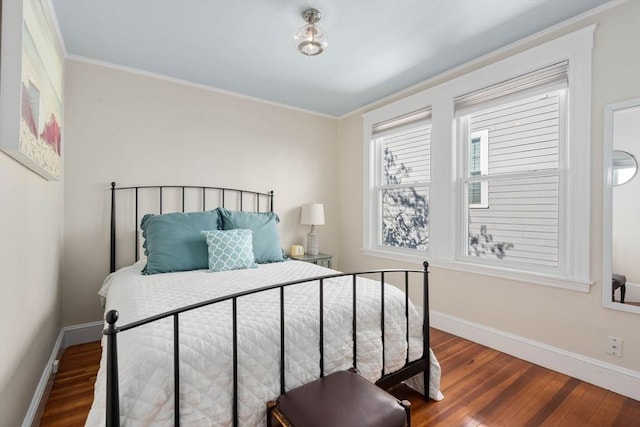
[72, 392]
[482, 387]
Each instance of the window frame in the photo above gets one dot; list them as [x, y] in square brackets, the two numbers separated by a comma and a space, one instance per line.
[446, 236]
[561, 172]
[372, 211]
[380, 186]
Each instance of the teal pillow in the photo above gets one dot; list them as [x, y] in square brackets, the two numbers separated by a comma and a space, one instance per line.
[229, 249]
[173, 242]
[266, 242]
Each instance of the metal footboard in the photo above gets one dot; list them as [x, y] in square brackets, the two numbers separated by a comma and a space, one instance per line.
[387, 379]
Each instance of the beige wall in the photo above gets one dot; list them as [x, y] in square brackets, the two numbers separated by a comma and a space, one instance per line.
[565, 319]
[136, 129]
[30, 306]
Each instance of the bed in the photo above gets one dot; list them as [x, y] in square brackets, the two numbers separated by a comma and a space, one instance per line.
[201, 347]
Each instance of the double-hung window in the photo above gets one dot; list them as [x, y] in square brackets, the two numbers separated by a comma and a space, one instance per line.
[494, 177]
[513, 138]
[399, 194]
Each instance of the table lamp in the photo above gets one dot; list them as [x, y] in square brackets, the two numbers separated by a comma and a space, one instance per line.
[312, 214]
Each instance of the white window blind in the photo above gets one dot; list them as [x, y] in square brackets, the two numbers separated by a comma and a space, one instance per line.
[397, 124]
[540, 81]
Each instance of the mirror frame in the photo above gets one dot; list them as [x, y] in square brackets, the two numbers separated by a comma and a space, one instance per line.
[607, 203]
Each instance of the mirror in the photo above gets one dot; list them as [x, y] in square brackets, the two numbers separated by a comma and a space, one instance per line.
[624, 167]
[621, 210]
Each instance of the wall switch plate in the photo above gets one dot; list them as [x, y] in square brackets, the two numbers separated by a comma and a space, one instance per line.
[614, 346]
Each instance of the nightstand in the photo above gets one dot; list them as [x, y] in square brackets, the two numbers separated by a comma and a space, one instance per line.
[323, 260]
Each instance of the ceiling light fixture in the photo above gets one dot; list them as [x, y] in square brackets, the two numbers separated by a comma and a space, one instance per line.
[310, 39]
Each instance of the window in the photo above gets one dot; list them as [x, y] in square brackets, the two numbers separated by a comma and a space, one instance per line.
[401, 152]
[516, 176]
[499, 182]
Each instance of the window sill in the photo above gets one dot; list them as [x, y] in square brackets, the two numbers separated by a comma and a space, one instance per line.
[576, 285]
[418, 257]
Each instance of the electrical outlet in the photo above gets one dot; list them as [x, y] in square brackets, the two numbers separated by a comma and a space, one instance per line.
[614, 346]
[54, 367]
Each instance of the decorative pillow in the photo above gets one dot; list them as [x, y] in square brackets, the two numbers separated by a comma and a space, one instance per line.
[266, 242]
[229, 249]
[173, 242]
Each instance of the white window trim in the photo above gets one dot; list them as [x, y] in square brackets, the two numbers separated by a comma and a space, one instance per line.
[444, 239]
[575, 229]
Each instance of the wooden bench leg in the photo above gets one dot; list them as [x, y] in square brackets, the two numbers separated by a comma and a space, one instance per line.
[274, 417]
[270, 407]
[407, 408]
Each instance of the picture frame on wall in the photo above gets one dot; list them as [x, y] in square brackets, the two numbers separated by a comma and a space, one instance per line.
[31, 87]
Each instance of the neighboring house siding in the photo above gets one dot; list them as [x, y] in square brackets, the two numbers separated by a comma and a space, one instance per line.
[523, 137]
[405, 188]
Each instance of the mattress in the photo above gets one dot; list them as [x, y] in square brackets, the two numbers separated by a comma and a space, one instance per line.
[145, 354]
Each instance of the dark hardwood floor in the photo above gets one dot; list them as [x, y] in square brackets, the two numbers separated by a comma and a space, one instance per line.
[482, 387]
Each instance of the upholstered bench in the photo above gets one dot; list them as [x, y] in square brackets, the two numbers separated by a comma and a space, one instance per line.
[341, 399]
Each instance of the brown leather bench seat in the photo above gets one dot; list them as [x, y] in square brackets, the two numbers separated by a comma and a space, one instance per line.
[341, 399]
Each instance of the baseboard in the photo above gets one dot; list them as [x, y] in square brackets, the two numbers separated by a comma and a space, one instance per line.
[602, 374]
[633, 292]
[32, 418]
[68, 336]
[81, 334]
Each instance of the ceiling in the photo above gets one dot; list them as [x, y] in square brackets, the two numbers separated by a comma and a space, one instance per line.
[376, 47]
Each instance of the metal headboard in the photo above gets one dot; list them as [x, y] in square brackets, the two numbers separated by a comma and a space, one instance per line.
[221, 192]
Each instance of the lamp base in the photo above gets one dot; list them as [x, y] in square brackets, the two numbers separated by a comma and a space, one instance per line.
[312, 242]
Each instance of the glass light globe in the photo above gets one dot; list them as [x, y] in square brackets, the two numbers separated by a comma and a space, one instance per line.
[310, 40]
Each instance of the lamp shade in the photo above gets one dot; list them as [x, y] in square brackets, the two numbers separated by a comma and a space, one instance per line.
[312, 214]
[310, 39]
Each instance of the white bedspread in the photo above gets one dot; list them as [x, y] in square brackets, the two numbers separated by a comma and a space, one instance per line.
[145, 354]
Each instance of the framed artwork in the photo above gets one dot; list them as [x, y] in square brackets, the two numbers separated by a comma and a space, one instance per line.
[31, 87]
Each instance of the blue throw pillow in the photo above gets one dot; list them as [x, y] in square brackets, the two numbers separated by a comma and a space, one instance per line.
[266, 242]
[230, 249]
[173, 242]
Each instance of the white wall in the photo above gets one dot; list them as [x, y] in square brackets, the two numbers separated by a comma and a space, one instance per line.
[564, 319]
[30, 305]
[136, 129]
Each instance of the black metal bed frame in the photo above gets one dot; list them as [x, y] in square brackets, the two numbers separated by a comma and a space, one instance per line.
[410, 368]
[160, 188]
